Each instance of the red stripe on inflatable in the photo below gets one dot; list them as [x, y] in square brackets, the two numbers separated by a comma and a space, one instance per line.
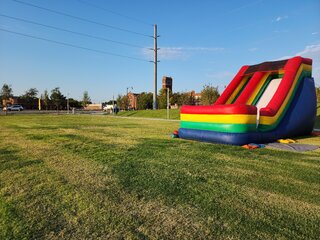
[290, 71]
[251, 86]
[220, 109]
[231, 87]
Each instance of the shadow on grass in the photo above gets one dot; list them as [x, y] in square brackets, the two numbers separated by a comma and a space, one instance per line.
[80, 145]
[11, 221]
[10, 160]
[28, 203]
[161, 169]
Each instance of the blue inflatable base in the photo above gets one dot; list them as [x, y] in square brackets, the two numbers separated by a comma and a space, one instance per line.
[298, 121]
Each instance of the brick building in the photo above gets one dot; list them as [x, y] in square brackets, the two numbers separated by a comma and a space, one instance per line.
[133, 100]
[167, 83]
[10, 101]
[197, 97]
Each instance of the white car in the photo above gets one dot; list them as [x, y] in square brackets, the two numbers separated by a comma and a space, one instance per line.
[15, 107]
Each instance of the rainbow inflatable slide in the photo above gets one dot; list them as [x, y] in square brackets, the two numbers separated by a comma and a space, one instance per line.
[263, 103]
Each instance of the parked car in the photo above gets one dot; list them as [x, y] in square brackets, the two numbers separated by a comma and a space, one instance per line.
[15, 107]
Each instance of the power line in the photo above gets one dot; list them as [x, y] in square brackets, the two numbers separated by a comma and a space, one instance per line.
[70, 31]
[81, 19]
[115, 13]
[72, 45]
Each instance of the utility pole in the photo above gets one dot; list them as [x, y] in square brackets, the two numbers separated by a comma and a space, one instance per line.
[155, 61]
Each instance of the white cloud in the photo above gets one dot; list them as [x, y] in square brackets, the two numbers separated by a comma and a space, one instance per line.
[314, 33]
[245, 6]
[167, 53]
[253, 49]
[313, 52]
[280, 18]
[310, 51]
[221, 79]
[179, 53]
[204, 49]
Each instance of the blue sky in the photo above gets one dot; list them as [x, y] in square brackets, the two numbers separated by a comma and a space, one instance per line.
[201, 42]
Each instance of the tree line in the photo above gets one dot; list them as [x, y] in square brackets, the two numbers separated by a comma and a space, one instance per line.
[209, 95]
[53, 100]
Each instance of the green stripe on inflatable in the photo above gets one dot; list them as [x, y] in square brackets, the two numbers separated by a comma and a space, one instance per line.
[263, 127]
[264, 86]
[219, 127]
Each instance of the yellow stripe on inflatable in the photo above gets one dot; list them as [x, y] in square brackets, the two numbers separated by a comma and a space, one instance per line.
[219, 118]
[259, 86]
[267, 120]
[235, 92]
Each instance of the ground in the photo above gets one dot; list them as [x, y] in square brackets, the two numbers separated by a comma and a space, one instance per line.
[82, 176]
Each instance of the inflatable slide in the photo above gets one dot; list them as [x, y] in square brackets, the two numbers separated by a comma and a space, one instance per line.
[263, 103]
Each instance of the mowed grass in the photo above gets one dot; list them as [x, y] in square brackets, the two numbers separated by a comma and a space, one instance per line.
[159, 113]
[91, 177]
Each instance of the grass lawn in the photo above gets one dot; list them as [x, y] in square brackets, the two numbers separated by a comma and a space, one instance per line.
[81, 176]
[160, 113]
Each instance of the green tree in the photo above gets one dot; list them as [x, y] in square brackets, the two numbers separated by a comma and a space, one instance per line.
[111, 102]
[6, 92]
[175, 98]
[31, 93]
[45, 99]
[57, 98]
[122, 102]
[29, 99]
[209, 94]
[145, 101]
[182, 98]
[162, 98]
[187, 98]
[73, 103]
[318, 94]
[85, 99]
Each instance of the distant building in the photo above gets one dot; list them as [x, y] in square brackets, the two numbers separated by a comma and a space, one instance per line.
[133, 100]
[197, 97]
[10, 101]
[167, 83]
[94, 106]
